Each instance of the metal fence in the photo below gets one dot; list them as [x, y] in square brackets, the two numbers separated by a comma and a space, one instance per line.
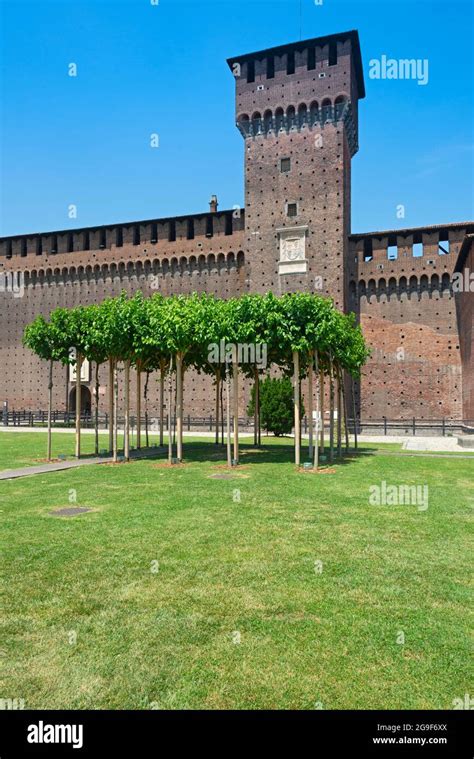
[384, 426]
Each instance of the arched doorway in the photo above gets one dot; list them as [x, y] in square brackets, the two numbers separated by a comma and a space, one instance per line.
[86, 400]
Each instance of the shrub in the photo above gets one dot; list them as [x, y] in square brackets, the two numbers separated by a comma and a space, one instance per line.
[276, 405]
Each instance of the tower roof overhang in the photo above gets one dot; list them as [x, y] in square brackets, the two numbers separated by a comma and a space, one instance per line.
[313, 42]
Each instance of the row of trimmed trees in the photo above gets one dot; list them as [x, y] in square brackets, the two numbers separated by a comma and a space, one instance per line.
[301, 334]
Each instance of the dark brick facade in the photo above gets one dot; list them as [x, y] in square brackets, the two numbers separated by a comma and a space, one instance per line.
[297, 109]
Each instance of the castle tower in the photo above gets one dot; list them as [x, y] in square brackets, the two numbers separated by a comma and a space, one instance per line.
[296, 107]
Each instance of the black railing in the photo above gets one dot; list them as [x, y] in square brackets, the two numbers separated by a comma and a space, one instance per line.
[383, 426]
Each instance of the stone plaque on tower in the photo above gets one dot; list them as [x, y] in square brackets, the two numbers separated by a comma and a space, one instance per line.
[292, 250]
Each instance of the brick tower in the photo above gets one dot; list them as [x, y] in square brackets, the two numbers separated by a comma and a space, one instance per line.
[296, 107]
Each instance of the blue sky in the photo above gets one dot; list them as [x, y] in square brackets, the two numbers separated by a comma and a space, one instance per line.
[144, 69]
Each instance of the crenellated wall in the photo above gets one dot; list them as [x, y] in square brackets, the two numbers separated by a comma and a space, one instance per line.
[407, 311]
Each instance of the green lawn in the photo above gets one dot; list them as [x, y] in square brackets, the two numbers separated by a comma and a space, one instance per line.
[182, 591]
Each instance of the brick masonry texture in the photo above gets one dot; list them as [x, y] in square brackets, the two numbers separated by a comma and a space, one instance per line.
[296, 102]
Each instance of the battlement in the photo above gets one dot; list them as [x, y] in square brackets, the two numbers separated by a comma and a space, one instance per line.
[108, 237]
[406, 251]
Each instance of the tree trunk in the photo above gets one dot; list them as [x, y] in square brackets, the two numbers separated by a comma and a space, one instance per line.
[170, 414]
[339, 412]
[96, 421]
[331, 410]
[78, 404]
[115, 422]
[218, 383]
[310, 406]
[316, 445]
[145, 393]
[255, 407]
[50, 406]
[162, 402]
[111, 405]
[354, 412]
[296, 395]
[126, 431]
[257, 401]
[179, 405]
[321, 400]
[235, 374]
[344, 409]
[139, 408]
[227, 398]
[222, 412]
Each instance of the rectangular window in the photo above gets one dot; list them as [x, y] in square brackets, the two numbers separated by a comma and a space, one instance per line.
[154, 233]
[311, 58]
[392, 252]
[190, 229]
[250, 71]
[9, 248]
[443, 245]
[39, 246]
[172, 231]
[332, 53]
[285, 165]
[270, 67]
[290, 63]
[368, 249]
[54, 244]
[228, 224]
[70, 243]
[136, 235]
[102, 239]
[24, 247]
[209, 226]
[119, 237]
[87, 242]
[292, 209]
[417, 249]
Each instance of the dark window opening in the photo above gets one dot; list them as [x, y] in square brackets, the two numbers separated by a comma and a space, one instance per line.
[332, 53]
[136, 235]
[250, 71]
[9, 248]
[54, 244]
[209, 226]
[102, 239]
[443, 244]
[311, 58]
[87, 241]
[154, 233]
[24, 247]
[285, 165]
[292, 209]
[228, 224]
[172, 232]
[119, 237]
[290, 63]
[39, 246]
[368, 249]
[270, 67]
[190, 229]
[70, 243]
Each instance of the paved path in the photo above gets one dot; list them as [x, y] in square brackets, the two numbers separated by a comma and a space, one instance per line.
[58, 466]
[11, 474]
